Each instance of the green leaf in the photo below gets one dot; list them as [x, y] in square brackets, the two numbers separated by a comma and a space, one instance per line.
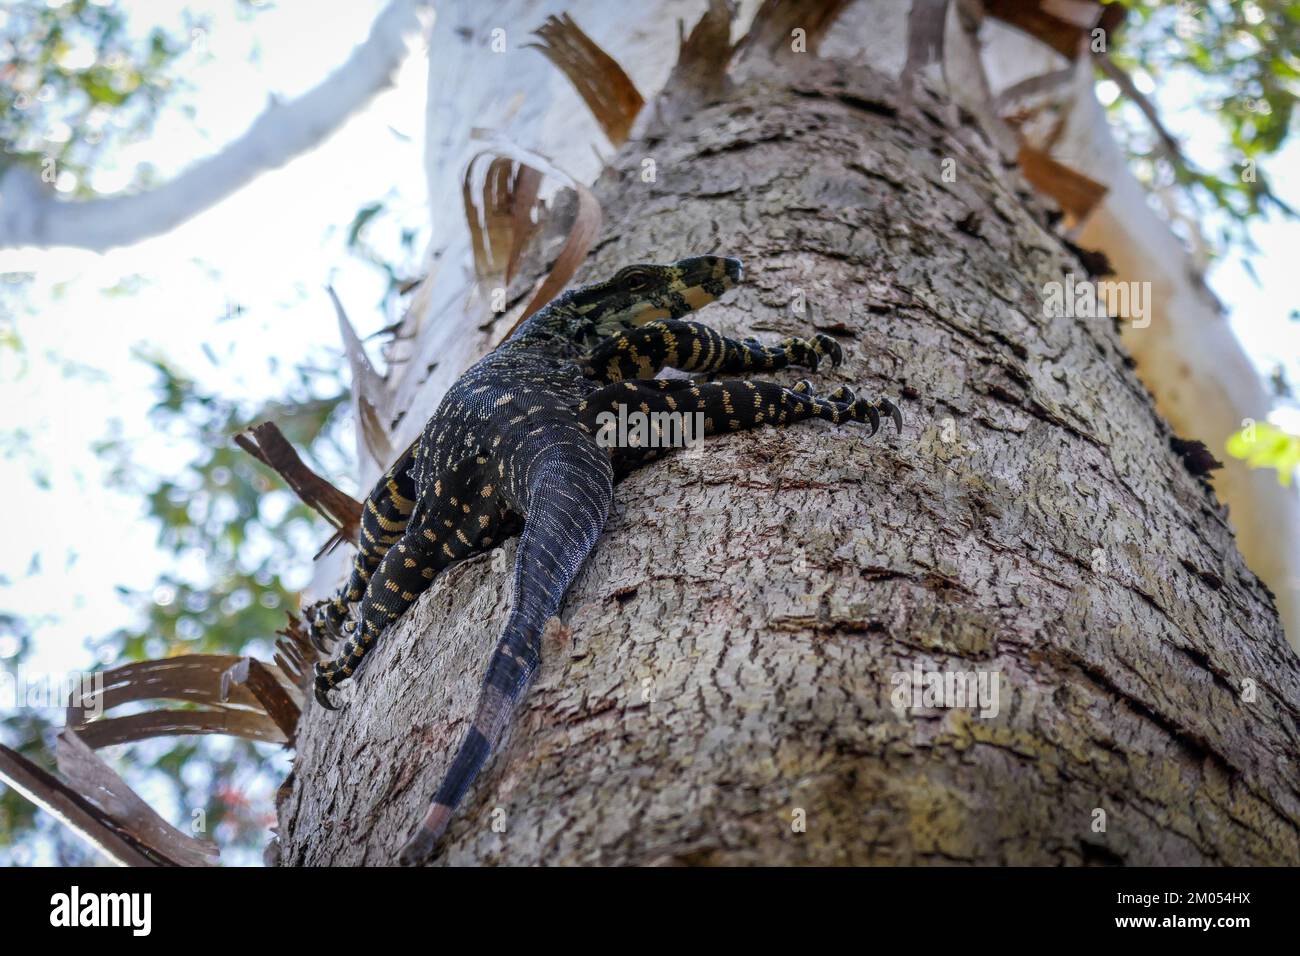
[1262, 445]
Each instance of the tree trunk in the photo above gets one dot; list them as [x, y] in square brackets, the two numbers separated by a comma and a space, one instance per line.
[723, 691]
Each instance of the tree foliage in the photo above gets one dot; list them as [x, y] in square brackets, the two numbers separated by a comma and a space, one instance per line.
[81, 84]
[241, 547]
[1239, 62]
[1262, 445]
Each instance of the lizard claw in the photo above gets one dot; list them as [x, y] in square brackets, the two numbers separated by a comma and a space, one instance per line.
[323, 698]
[873, 416]
[317, 638]
[322, 683]
[823, 344]
[322, 626]
[802, 352]
[890, 409]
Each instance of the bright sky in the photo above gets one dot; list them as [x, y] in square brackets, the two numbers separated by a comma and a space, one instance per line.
[271, 248]
[1260, 312]
[1259, 308]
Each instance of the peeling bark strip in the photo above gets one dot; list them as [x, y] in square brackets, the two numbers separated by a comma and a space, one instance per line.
[1074, 192]
[513, 196]
[263, 684]
[1062, 26]
[787, 29]
[608, 92]
[734, 639]
[925, 26]
[269, 446]
[82, 769]
[700, 74]
[294, 653]
[500, 223]
[82, 816]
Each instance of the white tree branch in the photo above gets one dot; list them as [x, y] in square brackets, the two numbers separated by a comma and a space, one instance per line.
[32, 215]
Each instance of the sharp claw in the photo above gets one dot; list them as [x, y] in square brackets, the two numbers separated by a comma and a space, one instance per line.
[317, 638]
[874, 417]
[322, 686]
[830, 348]
[892, 410]
[323, 697]
[322, 631]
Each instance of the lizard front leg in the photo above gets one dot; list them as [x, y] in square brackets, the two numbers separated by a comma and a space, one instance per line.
[694, 347]
[726, 406]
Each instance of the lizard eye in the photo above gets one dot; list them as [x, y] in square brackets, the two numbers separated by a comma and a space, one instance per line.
[635, 280]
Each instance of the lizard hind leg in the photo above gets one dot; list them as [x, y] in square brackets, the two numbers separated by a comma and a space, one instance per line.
[383, 520]
[400, 578]
[459, 517]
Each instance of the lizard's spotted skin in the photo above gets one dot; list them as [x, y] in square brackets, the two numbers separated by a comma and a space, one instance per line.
[513, 448]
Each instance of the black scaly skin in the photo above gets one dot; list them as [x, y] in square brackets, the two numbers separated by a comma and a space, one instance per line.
[514, 445]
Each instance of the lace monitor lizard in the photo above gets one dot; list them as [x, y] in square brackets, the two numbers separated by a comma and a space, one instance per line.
[513, 449]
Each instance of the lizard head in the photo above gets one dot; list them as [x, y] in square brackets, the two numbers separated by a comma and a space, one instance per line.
[639, 294]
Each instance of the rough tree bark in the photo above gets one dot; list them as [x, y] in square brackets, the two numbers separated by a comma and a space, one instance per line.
[729, 648]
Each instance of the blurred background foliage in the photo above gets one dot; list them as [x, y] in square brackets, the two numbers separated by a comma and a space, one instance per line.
[76, 86]
[79, 90]
[1241, 63]
[240, 544]
[79, 85]
[1262, 445]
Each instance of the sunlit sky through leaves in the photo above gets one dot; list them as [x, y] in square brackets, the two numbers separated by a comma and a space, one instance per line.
[235, 298]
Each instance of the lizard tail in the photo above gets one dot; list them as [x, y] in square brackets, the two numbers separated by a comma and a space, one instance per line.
[566, 514]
